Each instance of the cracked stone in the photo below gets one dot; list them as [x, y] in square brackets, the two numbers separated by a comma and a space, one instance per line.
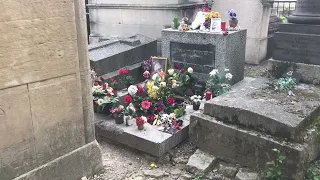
[156, 173]
[246, 175]
[200, 162]
[228, 171]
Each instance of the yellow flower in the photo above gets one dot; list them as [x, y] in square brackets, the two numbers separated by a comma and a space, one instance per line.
[153, 165]
[209, 15]
[216, 15]
[152, 92]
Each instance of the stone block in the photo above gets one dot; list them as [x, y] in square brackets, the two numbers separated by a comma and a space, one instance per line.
[151, 140]
[227, 170]
[200, 163]
[242, 106]
[206, 51]
[298, 47]
[47, 98]
[246, 175]
[114, 54]
[309, 73]
[248, 148]
[72, 166]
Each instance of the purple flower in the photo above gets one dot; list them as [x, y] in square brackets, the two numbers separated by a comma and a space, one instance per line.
[160, 106]
[232, 14]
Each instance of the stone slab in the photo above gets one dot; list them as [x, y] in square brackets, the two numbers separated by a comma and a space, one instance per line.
[300, 28]
[297, 47]
[246, 175]
[151, 140]
[309, 73]
[252, 105]
[205, 51]
[113, 54]
[248, 148]
[71, 166]
[200, 163]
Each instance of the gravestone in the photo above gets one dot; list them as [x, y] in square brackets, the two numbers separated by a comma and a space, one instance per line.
[297, 43]
[204, 51]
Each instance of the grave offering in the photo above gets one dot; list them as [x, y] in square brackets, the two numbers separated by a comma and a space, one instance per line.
[204, 51]
[297, 43]
[246, 125]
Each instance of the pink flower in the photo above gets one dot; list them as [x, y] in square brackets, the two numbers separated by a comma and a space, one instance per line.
[146, 74]
[145, 104]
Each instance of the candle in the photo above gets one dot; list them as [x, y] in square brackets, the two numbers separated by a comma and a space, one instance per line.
[208, 95]
[223, 25]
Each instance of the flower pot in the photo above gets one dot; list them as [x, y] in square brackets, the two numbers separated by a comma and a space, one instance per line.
[141, 127]
[100, 110]
[119, 119]
[129, 121]
[196, 107]
[233, 23]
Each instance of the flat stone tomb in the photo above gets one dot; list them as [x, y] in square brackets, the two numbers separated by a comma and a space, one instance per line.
[151, 140]
[252, 105]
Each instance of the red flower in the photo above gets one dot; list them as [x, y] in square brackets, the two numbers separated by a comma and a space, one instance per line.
[127, 100]
[96, 83]
[104, 86]
[95, 103]
[139, 121]
[109, 95]
[123, 71]
[182, 70]
[205, 9]
[177, 66]
[101, 78]
[140, 90]
[170, 101]
[225, 33]
[151, 118]
[145, 104]
[114, 92]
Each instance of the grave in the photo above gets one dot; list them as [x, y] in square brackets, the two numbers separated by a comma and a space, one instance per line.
[150, 141]
[297, 43]
[245, 124]
[204, 51]
[114, 53]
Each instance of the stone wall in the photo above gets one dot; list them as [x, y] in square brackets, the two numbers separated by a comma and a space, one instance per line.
[46, 117]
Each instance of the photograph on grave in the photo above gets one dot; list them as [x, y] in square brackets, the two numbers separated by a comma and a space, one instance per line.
[159, 64]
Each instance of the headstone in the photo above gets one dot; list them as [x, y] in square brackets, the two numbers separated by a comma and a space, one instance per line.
[298, 42]
[204, 51]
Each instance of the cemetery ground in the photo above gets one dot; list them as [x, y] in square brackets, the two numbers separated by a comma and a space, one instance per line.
[122, 162]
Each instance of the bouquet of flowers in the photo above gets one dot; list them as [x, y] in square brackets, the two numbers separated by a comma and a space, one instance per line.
[219, 83]
[104, 97]
[124, 78]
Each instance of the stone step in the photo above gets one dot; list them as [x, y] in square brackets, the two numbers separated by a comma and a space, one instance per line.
[250, 104]
[249, 148]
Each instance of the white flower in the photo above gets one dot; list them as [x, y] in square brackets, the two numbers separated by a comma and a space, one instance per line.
[192, 98]
[199, 97]
[132, 90]
[229, 76]
[214, 72]
[171, 71]
[155, 76]
[163, 84]
[100, 102]
[144, 118]
[172, 115]
[190, 70]
[226, 70]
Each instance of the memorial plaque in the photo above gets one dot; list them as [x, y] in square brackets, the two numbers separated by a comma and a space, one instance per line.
[201, 57]
[298, 48]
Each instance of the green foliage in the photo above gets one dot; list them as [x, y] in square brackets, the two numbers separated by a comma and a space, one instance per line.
[283, 84]
[313, 172]
[180, 112]
[218, 85]
[284, 19]
[316, 123]
[275, 167]
[175, 23]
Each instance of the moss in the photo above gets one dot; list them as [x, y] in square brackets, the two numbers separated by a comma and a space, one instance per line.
[316, 123]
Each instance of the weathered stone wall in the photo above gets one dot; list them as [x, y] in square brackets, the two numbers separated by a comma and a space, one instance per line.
[45, 107]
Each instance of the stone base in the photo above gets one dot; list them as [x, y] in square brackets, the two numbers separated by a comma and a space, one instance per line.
[81, 162]
[150, 140]
[247, 148]
[310, 73]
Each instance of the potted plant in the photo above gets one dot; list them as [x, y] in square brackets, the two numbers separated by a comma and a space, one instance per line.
[196, 101]
[140, 122]
[118, 114]
[233, 20]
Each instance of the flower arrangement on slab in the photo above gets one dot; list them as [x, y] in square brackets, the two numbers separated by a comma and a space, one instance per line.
[104, 97]
[219, 83]
[196, 101]
[233, 20]
[125, 78]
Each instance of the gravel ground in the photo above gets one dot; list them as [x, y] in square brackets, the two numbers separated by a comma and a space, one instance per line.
[123, 163]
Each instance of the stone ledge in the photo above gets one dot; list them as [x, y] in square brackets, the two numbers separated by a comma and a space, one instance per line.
[83, 161]
[151, 140]
[247, 148]
[145, 6]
